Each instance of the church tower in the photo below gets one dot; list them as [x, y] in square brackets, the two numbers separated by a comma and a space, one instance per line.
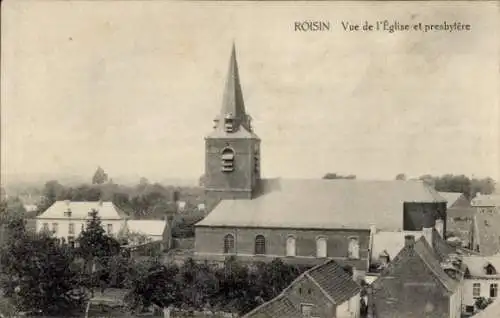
[232, 150]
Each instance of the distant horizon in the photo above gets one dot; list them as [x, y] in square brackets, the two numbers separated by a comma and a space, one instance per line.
[112, 89]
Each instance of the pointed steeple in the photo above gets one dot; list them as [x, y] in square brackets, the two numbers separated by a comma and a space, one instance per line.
[232, 102]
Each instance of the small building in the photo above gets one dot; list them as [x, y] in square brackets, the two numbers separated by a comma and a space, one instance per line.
[150, 230]
[481, 280]
[323, 291]
[486, 203]
[459, 224]
[423, 280]
[66, 219]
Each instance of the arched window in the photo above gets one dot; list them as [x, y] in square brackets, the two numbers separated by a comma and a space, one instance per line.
[227, 160]
[290, 246]
[321, 247]
[260, 245]
[353, 250]
[228, 244]
[490, 269]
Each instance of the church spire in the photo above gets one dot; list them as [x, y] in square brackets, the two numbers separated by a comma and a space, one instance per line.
[232, 102]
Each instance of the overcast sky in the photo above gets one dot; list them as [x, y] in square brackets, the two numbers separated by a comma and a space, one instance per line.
[134, 86]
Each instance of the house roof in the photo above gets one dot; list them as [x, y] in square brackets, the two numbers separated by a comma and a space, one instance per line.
[462, 212]
[391, 242]
[450, 197]
[148, 227]
[423, 250]
[476, 264]
[80, 210]
[322, 204]
[331, 279]
[487, 200]
[487, 233]
[336, 283]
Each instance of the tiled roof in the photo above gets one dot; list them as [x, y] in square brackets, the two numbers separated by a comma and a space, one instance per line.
[487, 233]
[80, 210]
[476, 264]
[450, 197]
[334, 280]
[322, 204]
[148, 227]
[278, 307]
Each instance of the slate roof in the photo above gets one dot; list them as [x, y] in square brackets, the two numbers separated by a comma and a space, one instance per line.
[333, 281]
[320, 203]
[80, 210]
[422, 249]
[487, 233]
[450, 197]
[148, 227]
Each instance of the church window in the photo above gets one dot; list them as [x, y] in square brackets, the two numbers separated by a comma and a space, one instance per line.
[493, 290]
[227, 160]
[353, 250]
[321, 247]
[260, 245]
[228, 244]
[290, 246]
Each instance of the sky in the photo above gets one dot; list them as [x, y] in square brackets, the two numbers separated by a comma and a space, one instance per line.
[133, 86]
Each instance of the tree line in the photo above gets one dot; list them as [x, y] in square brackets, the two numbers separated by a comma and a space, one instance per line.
[57, 279]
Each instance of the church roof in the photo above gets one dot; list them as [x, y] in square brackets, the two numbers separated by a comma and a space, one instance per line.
[321, 203]
[450, 197]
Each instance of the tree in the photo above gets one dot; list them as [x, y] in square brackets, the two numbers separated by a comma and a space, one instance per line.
[52, 191]
[401, 176]
[460, 184]
[45, 282]
[95, 246]
[330, 175]
[100, 176]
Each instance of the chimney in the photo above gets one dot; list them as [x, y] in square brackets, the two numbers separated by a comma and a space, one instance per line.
[409, 240]
[440, 227]
[358, 275]
[67, 202]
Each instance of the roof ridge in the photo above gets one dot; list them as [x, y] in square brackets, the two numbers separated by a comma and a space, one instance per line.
[423, 241]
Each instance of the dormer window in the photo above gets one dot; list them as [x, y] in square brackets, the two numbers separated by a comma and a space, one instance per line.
[229, 123]
[490, 269]
[227, 160]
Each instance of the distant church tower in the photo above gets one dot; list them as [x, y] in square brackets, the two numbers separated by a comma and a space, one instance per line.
[232, 150]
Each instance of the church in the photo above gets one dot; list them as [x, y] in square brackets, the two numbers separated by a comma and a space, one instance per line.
[302, 221]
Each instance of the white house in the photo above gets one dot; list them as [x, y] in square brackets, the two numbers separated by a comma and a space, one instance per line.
[153, 230]
[66, 219]
[481, 280]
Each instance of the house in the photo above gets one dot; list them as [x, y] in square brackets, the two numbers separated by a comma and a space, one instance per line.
[301, 220]
[324, 291]
[486, 203]
[66, 219]
[482, 279]
[151, 230]
[421, 281]
[455, 200]
[485, 235]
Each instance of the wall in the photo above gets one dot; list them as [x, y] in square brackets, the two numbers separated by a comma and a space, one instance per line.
[209, 241]
[413, 214]
[350, 308]
[456, 304]
[63, 226]
[467, 296]
[306, 292]
[410, 291]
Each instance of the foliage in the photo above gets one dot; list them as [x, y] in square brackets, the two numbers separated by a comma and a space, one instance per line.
[100, 176]
[331, 175]
[460, 184]
[94, 243]
[400, 176]
[481, 303]
[45, 281]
